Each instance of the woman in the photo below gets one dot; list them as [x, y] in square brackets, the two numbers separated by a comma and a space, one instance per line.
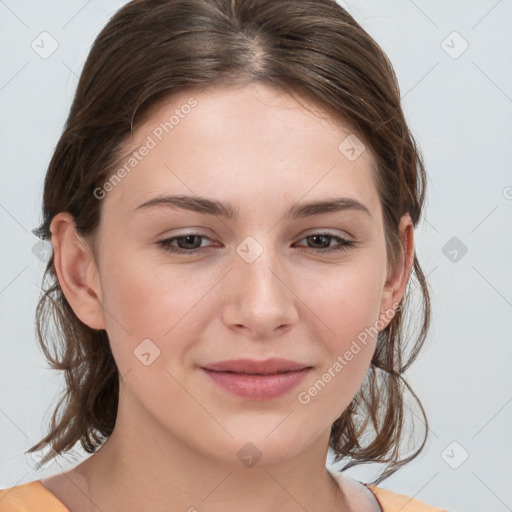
[216, 375]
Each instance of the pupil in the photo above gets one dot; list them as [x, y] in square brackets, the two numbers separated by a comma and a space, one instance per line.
[316, 237]
[187, 240]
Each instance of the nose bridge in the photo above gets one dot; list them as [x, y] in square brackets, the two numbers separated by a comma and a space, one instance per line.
[259, 295]
[258, 265]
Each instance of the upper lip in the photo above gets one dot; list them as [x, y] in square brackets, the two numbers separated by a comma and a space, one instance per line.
[253, 366]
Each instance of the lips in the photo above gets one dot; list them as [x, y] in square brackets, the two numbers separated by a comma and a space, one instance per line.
[253, 367]
[257, 380]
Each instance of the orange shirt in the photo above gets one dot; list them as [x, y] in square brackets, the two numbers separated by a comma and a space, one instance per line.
[394, 502]
[30, 497]
[34, 497]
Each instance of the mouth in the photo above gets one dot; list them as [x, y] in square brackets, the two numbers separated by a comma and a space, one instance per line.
[271, 366]
[256, 386]
[254, 373]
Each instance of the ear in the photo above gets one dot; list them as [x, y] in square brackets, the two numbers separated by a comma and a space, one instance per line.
[76, 271]
[398, 276]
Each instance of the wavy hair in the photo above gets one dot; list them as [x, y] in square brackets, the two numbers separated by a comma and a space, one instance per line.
[151, 49]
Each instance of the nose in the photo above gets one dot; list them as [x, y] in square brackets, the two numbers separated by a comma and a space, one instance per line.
[260, 299]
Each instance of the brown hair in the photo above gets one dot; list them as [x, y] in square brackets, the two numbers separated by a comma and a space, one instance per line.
[151, 49]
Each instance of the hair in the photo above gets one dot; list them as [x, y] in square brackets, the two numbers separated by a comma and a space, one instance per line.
[152, 49]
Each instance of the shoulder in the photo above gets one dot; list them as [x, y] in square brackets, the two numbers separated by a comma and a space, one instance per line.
[29, 497]
[393, 502]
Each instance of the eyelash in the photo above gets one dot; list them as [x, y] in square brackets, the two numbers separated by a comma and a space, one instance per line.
[343, 246]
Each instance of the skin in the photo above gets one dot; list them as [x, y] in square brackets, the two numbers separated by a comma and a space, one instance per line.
[261, 150]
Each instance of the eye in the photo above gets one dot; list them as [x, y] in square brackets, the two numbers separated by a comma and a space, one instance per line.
[190, 244]
[184, 244]
[325, 238]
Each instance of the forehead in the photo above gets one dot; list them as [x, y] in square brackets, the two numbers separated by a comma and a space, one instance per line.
[241, 143]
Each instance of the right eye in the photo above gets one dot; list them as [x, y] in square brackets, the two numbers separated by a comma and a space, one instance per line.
[183, 244]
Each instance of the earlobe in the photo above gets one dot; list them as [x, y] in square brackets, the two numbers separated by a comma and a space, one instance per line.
[397, 280]
[76, 271]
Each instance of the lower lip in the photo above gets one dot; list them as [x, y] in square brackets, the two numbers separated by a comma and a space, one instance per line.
[258, 387]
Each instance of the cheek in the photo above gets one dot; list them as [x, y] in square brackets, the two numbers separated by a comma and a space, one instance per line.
[156, 304]
[346, 309]
[346, 300]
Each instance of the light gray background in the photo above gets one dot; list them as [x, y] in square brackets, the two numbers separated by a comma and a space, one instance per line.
[459, 106]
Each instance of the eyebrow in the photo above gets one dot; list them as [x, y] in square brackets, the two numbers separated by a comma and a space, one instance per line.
[229, 211]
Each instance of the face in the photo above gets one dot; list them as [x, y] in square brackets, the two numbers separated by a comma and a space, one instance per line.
[184, 285]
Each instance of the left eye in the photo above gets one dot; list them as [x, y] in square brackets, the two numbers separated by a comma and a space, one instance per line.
[343, 243]
[191, 244]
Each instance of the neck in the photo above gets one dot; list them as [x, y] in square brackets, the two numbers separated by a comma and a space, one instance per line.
[158, 472]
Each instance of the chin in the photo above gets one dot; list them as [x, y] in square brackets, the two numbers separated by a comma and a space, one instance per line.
[261, 447]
